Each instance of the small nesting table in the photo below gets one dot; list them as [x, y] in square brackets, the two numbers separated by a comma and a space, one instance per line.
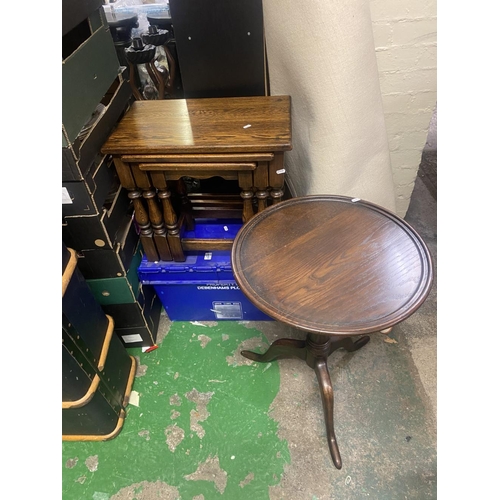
[335, 267]
[160, 142]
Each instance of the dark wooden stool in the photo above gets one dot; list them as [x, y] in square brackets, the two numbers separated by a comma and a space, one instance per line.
[335, 267]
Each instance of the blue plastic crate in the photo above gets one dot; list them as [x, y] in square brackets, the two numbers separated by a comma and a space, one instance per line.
[200, 289]
[218, 229]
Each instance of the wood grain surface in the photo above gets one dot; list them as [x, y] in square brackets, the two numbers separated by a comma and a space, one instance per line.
[213, 125]
[331, 265]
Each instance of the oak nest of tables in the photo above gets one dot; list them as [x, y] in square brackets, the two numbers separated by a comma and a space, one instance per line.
[159, 143]
[338, 268]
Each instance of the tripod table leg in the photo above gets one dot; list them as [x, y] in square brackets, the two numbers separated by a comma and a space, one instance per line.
[348, 343]
[326, 389]
[279, 349]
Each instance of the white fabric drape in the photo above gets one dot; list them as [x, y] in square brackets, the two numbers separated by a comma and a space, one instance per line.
[321, 53]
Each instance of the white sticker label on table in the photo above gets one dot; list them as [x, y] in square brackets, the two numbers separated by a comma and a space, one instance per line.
[66, 198]
[281, 171]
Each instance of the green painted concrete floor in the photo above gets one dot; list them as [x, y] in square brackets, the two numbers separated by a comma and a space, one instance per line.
[211, 424]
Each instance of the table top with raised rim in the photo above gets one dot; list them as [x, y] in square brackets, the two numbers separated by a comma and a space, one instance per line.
[332, 265]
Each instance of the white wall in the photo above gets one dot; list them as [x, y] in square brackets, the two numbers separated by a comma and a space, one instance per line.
[405, 34]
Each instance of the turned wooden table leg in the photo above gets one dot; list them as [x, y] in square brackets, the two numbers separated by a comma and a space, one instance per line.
[128, 182]
[174, 233]
[156, 218]
[143, 182]
[277, 176]
[245, 182]
[261, 181]
[146, 234]
[169, 217]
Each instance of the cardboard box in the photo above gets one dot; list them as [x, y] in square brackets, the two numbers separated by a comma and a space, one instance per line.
[138, 321]
[94, 398]
[135, 308]
[87, 197]
[111, 262]
[121, 290]
[89, 67]
[81, 309]
[76, 11]
[137, 313]
[80, 368]
[85, 232]
[97, 372]
[78, 157]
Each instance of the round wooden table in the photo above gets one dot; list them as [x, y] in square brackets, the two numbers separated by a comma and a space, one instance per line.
[334, 267]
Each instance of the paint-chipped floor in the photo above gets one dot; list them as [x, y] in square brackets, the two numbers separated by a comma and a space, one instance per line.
[207, 423]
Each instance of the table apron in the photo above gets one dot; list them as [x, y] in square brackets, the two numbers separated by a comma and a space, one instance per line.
[199, 166]
[199, 157]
